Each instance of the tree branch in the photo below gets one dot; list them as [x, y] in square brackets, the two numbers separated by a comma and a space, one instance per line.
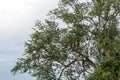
[66, 66]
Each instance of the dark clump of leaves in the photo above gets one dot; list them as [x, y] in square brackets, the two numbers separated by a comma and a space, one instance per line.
[109, 69]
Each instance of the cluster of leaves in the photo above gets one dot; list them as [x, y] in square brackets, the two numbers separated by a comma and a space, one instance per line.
[109, 69]
[88, 34]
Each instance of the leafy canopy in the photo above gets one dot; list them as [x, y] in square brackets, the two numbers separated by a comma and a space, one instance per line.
[73, 41]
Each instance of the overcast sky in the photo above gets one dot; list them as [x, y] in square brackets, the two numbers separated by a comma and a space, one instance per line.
[17, 17]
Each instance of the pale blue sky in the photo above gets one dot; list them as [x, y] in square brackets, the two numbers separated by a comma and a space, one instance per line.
[17, 17]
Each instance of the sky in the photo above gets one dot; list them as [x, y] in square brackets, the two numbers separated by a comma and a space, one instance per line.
[17, 17]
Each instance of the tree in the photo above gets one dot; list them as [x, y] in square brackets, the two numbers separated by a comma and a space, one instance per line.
[73, 41]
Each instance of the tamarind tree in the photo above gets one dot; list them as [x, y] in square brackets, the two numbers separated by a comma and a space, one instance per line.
[73, 41]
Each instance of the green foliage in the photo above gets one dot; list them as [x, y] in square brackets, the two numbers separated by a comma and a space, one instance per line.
[76, 39]
[109, 69]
